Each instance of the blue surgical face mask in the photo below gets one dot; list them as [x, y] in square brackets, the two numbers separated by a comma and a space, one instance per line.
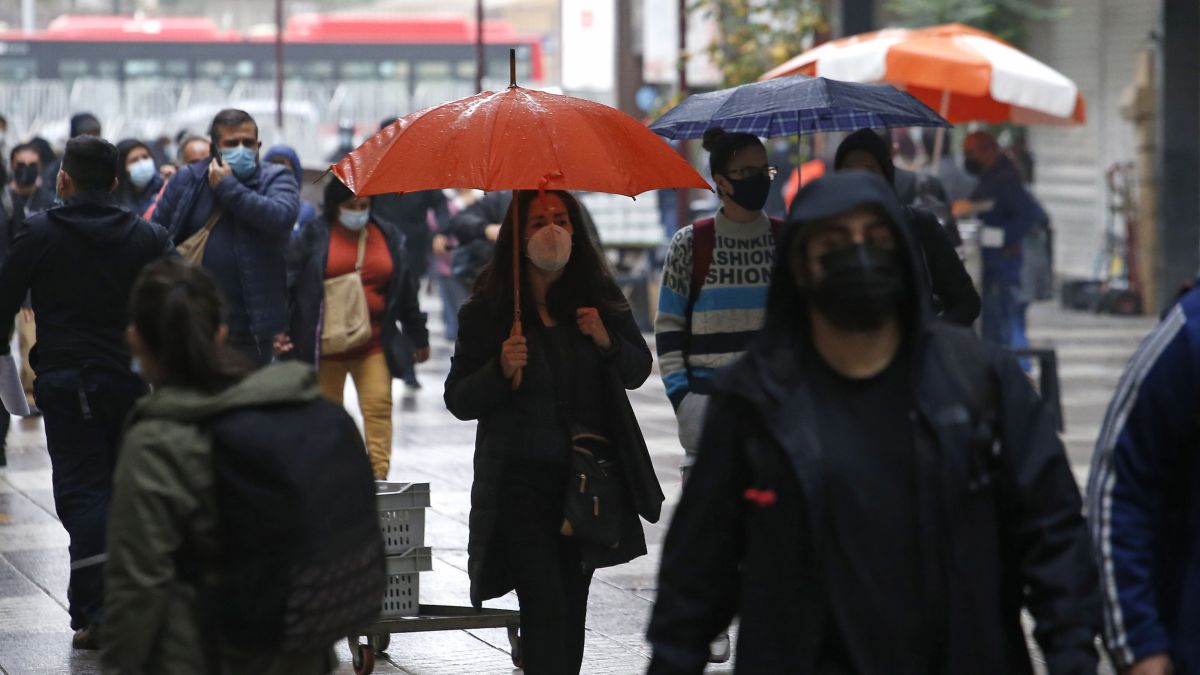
[353, 220]
[242, 160]
[142, 172]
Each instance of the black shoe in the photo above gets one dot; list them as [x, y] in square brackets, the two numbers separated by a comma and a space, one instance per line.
[87, 638]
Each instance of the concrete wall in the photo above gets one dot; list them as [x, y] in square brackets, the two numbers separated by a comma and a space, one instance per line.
[1096, 46]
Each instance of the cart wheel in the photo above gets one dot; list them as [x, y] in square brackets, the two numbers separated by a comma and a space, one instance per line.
[514, 641]
[364, 659]
[380, 642]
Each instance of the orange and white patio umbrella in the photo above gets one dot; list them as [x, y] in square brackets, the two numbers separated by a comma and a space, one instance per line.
[965, 74]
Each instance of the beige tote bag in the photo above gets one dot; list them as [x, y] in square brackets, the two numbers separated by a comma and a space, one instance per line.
[192, 250]
[347, 323]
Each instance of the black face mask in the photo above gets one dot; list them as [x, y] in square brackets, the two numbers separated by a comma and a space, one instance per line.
[751, 193]
[973, 166]
[862, 287]
[25, 174]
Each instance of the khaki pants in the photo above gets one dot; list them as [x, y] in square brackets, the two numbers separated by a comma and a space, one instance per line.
[373, 381]
[26, 337]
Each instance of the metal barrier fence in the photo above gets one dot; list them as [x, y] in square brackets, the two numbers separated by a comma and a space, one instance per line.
[146, 108]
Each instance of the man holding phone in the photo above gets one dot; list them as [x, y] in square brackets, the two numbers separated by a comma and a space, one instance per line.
[248, 209]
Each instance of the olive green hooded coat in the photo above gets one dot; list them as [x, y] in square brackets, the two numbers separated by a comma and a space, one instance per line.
[164, 513]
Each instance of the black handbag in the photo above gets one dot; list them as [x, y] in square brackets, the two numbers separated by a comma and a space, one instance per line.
[594, 503]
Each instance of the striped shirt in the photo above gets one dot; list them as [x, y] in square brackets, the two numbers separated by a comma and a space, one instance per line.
[729, 312]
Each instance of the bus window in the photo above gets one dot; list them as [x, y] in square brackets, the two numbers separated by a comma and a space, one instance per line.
[465, 70]
[358, 70]
[69, 69]
[244, 69]
[108, 70]
[17, 69]
[177, 68]
[434, 70]
[210, 70]
[393, 70]
[317, 70]
[142, 68]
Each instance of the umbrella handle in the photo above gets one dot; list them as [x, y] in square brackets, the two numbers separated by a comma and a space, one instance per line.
[517, 376]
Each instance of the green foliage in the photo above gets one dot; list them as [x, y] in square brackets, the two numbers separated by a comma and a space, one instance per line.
[757, 35]
[1006, 19]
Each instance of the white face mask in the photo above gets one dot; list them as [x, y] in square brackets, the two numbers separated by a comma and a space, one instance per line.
[142, 172]
[550, 248]
[354, 220]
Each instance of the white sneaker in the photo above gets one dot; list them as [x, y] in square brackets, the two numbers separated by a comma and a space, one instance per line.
[719, 650]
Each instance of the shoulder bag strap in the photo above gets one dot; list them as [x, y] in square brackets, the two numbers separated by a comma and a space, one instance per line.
[362, 249]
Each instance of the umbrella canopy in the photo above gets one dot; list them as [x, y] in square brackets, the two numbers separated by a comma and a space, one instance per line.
[967, 75]
[517, 139]
[796, 105]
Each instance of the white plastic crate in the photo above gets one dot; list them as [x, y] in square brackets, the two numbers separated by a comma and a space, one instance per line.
[401, 595]
[401, 509]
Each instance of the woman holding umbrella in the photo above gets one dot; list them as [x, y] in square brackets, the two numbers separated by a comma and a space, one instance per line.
[560, 463]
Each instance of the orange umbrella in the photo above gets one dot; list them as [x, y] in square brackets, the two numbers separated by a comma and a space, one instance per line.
[517, 139]
[965, 74]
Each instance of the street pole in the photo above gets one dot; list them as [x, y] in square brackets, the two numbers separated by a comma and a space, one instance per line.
[480, 58]
[28, 16]
[683, 206]
[279, 65]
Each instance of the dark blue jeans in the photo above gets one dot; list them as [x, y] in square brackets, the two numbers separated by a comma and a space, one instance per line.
[84, 412]
[1000, 313]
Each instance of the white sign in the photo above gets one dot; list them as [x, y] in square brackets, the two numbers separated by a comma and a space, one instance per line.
[660, 45]
[589, 45]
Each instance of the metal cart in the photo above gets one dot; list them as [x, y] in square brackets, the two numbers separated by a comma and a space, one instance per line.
[430, 618]
[402, 523]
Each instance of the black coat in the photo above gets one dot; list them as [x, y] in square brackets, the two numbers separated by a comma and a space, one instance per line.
[306, 262]
[999, 522]
[476, 389]
[953, 289]
[79, 261]
[408, 214]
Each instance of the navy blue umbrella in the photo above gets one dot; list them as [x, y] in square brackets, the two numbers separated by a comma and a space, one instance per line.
[796, 105]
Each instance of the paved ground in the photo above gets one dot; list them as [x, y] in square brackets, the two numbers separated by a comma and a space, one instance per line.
[431, 446]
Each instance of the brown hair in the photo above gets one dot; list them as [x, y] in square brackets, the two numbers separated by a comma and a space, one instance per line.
[177, 310]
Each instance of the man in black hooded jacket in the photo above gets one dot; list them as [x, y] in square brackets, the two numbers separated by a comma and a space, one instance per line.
[955, 297]
[79, 262]
[876, 492]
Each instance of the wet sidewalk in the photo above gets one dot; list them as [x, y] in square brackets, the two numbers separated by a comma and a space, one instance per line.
[431, 446]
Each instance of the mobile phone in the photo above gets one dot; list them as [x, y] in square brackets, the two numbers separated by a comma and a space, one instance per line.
[214, 152]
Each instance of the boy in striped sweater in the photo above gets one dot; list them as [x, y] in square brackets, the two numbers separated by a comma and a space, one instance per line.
[714, 289]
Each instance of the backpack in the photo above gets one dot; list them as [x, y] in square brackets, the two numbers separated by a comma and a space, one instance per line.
[704, 241]
[301, 556]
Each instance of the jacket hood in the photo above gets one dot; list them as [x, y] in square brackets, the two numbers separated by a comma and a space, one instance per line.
[96, 215]
[868, 141]
[287, 152]
[276, 384]
[773, 353]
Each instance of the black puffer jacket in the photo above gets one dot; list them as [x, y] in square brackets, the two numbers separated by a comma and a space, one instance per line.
[476, 389]
[1000, 525]
[306, 262]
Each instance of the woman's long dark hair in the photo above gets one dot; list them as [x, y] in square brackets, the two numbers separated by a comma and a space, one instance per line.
[176, 308]
[586, 280]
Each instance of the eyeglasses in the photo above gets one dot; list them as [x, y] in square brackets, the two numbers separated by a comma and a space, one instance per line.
[251, 143]
[751, 171]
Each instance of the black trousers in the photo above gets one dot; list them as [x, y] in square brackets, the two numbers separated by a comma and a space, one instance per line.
[551, 582]
[84, 413]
